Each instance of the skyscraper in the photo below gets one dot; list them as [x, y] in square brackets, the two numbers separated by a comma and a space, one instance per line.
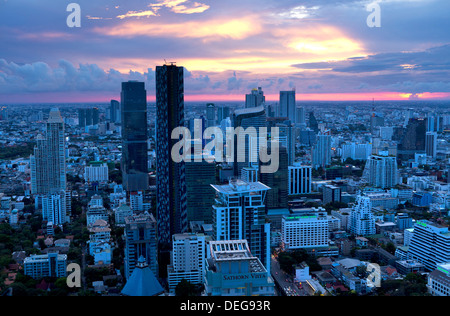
[222, 113]
[199, 193]
[431, 144]
[114, 111]
[239, 213]
[246, 118]
[413, 139]
[170, 176]
[210, 115]
[287, 106]
[321, 151]
[277, 197]
[255, 99]
[48, 164]
[134, 136]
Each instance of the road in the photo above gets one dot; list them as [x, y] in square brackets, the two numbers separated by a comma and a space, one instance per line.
[285, 281]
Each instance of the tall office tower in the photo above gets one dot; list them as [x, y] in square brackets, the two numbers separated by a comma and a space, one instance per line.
[362, 221]
[381, 170]
[187, 259]
[3, 113]
[222, 113]
[321, 151]
[312, 124]
[134, 162]
[89, 117]
[247, 118]
[299, 179]
[430, 244]
[199, 193]
[300, 120]
[287, 139]
[255, 99]
[140, 240]
[210, 115]
[277, 197]
[434, 123]
[412, 139]
[232, 269]
[375, 121]
[48, 164]
[239, 213]
[82, 117]
[114, 111]
[308, 137]
[307, 229]
[331, 194]
[95, 116]
[287, 107]
[431, 144]
[386, 132]
[170, 176]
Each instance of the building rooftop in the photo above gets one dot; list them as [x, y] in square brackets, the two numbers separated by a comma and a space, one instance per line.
[240, 186]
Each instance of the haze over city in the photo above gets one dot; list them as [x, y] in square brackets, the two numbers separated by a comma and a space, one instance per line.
[324, 49]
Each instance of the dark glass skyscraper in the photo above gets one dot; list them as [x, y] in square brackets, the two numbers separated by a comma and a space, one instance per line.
[134, 136]
[200, 194]
[170, 176]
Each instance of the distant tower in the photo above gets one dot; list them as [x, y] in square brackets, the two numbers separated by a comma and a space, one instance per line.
[210, 115]
[287, 106]
[255, 99]
[321, 151]
[48, 164]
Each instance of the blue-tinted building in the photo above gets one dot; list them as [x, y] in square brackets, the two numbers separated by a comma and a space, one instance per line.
[232, 270]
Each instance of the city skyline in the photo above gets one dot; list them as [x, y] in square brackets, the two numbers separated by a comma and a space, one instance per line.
[323, 49]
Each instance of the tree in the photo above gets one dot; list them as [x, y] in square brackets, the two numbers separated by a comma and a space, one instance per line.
[185, 288]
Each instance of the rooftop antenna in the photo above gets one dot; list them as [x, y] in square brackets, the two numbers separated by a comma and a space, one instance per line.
[172, 63]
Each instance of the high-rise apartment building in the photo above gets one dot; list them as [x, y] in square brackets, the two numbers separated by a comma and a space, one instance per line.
[171, 200]
[321, 151]
[362, 220]
[239, 213]
[381, 170]
[48, 164]
[187, 259]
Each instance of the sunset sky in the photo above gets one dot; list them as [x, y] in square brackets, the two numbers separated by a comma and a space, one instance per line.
[322, 48]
